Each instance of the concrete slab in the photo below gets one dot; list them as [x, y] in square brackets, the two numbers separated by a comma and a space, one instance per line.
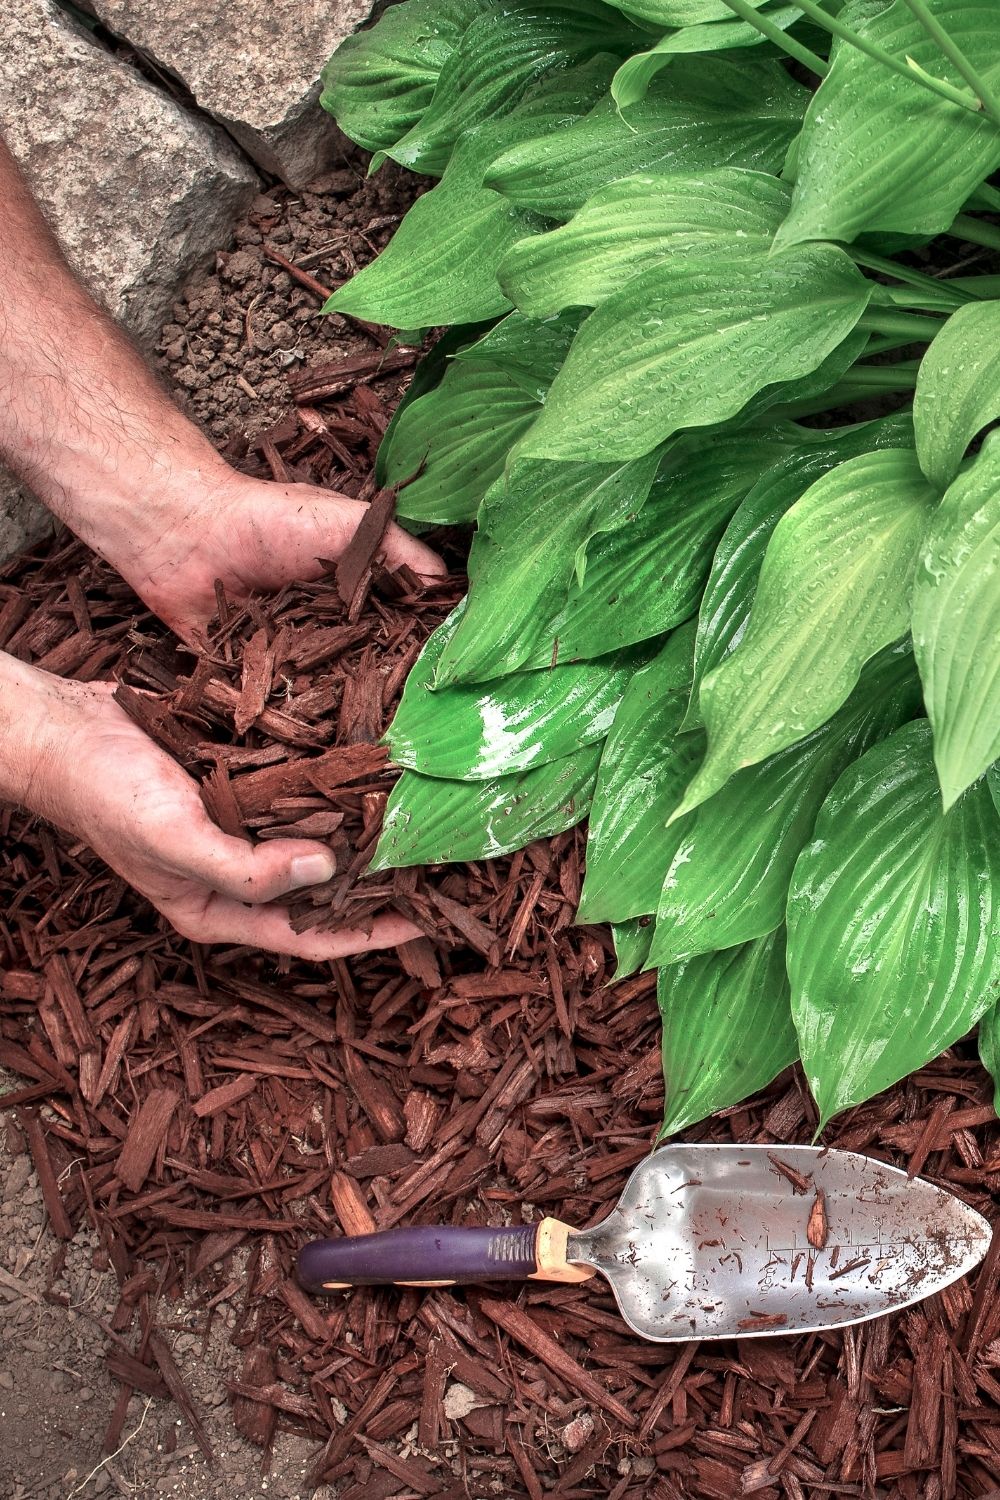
[254, 67]
[137, 190]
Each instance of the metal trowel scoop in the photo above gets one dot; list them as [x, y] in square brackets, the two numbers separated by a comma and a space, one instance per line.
[709, 1242]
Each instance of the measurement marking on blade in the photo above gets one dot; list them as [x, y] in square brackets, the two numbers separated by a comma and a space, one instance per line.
[873, 1245]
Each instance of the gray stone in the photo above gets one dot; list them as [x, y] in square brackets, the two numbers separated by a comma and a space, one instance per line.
[17, 1178]
[22, 519]
[254, 67]
[138, 190]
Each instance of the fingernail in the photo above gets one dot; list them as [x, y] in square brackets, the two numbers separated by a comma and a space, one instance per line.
[312, 869]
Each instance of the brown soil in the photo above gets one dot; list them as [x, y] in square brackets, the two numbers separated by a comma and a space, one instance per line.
[241, 328]
[487, 1076]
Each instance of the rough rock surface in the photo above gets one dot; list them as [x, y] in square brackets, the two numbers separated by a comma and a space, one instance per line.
[254, 67]
[138, 191]
[22, 519]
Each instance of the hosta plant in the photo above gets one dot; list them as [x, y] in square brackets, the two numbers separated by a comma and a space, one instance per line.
[754, 639]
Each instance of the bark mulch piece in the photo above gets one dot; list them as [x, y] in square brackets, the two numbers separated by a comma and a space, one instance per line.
[207, 1111]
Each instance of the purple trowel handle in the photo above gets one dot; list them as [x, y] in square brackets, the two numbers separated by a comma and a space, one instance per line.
[419, 1256]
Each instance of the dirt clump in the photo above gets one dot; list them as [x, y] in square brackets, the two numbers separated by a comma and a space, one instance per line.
[241, 327]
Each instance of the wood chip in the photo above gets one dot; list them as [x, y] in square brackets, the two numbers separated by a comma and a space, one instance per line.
[146, 1134]
[51, 1196]
[817, 1229]
[521, 1328]
[800, 1182]
[225, 1096]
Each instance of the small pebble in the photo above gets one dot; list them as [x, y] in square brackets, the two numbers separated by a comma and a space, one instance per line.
[576, 1433]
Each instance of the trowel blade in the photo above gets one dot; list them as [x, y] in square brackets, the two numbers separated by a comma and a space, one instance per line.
[728, 1241]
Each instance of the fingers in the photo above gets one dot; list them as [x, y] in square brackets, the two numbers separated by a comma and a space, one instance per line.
[250, 873]
[217, 919]
[338, 519]
[230, 881]
[299, 525]
[400, 548]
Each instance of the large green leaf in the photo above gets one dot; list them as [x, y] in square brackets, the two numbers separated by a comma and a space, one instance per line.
[646, 575]
[532, 525]
[486, 730]
[633, 78]
[730, 862]
[429, 822]
[678, 12]
[631, 940]
[455, 439]
[379, 82]
[688, 342]
[880, 152]
[529, 349]
[706, 112]
[440, 266]
[834, 589]
[958, 389]
[634, 223]
[732, 582]
[427, 376]
[836, 369]
[989, 1049]
[500, 55]
[892, 923]
[727, 1028]
[644, 768]
[956, 624]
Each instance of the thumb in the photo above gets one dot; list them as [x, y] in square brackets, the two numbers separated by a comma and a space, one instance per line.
[398, 547]
[253, 873]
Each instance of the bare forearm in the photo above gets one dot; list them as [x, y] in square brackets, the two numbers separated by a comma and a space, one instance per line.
[82, 419]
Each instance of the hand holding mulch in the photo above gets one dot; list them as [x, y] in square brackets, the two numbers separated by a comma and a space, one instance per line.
[254, 536]
[278, 722]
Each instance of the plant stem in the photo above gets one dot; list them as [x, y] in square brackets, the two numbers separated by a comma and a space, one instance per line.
[860, 383]
[885, 344]
[885, 320]
[985, 198]
[907, 275]
[810, 60]
[901, 377]
[983, 288]
[878, 54]
[947, 44]
[977, 233]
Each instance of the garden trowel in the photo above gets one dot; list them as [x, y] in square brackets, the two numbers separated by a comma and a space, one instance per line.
[709, 1242]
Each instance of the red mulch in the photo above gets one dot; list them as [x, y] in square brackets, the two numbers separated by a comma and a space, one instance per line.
[207, 1111]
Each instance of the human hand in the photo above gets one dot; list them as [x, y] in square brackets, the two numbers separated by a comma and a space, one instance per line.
[70, 753]
[252, 535]
[100, 442]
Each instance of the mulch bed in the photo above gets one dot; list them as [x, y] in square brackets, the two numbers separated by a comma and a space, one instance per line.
[207, 1110]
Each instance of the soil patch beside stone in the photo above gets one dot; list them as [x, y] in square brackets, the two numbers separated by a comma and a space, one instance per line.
[241, 328]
